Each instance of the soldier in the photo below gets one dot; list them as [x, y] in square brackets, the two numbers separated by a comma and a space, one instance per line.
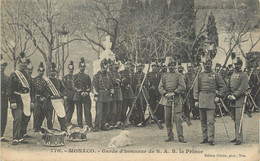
[82, 83]
[4, 98]
[116, 104]
[171, 86]
[103, 90]
[154, 78]
[237, 88]
[140, 102]
[42, 92]
[208, 86]
[20, 97]
[57, 92]
[67, 80]
[25, 118]
[127, 89]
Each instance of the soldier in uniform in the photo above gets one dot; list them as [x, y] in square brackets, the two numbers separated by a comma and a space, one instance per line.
[82, 84]
[103, 91]
[67, 80]
[237, 88]
[56, 84]
[154, 78]
[171, 86]
[127, 89]
[208, 86]
[116, 104]
[4, 98]
[21, 97]
[140, 102]
[42, 92]
[25, 118]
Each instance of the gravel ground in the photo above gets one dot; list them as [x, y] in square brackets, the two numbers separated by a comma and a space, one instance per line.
[148, 144]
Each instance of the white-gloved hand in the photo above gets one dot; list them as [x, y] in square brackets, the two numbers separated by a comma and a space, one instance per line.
[196, 104]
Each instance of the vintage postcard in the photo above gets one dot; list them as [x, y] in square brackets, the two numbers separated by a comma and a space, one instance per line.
[130, 80]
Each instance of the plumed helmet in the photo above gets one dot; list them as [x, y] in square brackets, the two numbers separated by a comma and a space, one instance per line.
[104, 63]
[238, 61]
[29, 64]
[71, 65]
[41, 67]
[82, 62]
[21, 58]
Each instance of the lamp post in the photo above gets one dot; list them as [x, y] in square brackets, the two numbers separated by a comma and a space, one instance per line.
[63, 35]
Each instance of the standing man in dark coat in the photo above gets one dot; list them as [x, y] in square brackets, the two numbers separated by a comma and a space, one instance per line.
[154, 78]
[116, 104]
[57, 92]
[4, 98]
[127, 89]
[42, 92]
[103, 91]
[171, 86]
[208, 86]
[237, 89]
[67, 80]
[21, 97]
[25, 118]
[82, 84]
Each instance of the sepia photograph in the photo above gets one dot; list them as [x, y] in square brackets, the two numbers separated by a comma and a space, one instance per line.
[130, 80]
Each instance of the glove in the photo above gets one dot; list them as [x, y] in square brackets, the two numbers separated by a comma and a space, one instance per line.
[65, 97]
[112, 91]
[169, 95]
[95, 97]
[13, 106]
[196, 104]
[217, 100]
[42, 99]
[231, 97]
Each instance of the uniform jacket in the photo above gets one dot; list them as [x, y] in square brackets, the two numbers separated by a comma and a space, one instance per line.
[59, 86]
[116, 80]
[41, 87]
[16, 86]
[127, 84]
[67, 80]
[205, 88]
[172, 82]
[102, 83]
[238, 86]
[82, 83]
[154, 80]
[4, 86]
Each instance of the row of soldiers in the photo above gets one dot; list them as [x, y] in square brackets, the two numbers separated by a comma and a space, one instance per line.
[115, 93]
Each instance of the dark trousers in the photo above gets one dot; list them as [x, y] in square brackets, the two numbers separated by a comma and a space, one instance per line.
[102, 111]
[25, 122]
[17, 122]
[126, 103]
[69, 108]
[42, 110]
[114, 110]
[119, 109]
[87, 112]
[4, 107]
[160, 112]
[141, 108]
[63, 125]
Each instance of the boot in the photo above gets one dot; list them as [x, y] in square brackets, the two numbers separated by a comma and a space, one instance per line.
[170, 137]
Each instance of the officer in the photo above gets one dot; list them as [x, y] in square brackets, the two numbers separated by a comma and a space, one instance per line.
[208, 86]
[237, 89]
[171, 86]
[20, 97]
[116, 104]
[26, 119]
[42, 92]
[82, 83]
[140, 102]
[67, 80]
[57, 92]
[154, 78]
[127, 89]
[103, 91]
[4, 99]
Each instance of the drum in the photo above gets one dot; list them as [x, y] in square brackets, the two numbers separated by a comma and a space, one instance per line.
[77, 134]
[53, 138]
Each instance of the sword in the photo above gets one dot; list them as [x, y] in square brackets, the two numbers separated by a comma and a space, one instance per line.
[242, 115]
[223, 121]
[255, 106]
[225, 107]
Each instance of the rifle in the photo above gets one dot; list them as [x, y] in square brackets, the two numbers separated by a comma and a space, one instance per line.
[152, 112]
